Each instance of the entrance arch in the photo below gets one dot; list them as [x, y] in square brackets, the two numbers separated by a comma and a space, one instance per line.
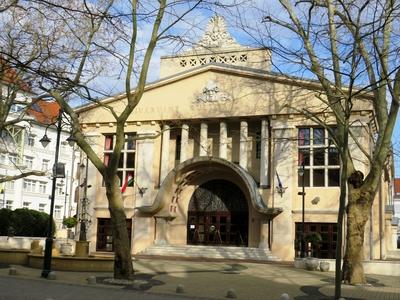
[218, 214]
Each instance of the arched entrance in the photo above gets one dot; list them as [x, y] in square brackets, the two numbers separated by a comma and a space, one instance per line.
[218, 214]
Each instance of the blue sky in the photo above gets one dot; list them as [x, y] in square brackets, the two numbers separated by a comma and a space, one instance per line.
[252, 18]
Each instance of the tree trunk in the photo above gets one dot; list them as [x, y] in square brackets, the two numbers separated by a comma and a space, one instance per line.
[358, 211]
[123, 268]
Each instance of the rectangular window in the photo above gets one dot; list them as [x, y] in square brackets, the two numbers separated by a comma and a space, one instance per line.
[59, 189]
[126, 164]
[3, 158]
[319, 157]
[104, 241]
[13, 159]
[42, 207]
[320, 239]
[57, 211]
[10, 185]
[31, 141]
[45, 164]
[9, 204]
[42, 187]
[29, 185]
[25, 204]
[28, 162]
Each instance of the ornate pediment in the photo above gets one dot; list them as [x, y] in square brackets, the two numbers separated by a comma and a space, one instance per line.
[212, 93]
[217, 36]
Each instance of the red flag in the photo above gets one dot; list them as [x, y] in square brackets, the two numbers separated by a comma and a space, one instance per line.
[128, 181]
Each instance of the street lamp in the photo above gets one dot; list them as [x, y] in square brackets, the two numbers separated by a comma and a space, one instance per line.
[58, 172]
[303, 195]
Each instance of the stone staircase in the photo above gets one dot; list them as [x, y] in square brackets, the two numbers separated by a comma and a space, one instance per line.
[209, 252]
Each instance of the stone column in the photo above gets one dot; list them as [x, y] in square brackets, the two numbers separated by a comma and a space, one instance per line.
[243, 144]
[203, 139]
[184, 142]
[264, 159]
[264, 235]
[164, 153]
[144, 169]
[223, 140]
[161, 231]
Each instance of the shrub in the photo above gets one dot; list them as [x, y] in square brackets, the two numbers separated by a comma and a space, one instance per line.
[70, 222]
[5, 220]
[24, 222]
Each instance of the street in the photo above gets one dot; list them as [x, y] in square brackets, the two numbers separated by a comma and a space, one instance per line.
[12, 288]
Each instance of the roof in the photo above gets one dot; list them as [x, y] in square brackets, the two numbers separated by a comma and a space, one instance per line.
[9, 75]
[44, 112]
[218, 67]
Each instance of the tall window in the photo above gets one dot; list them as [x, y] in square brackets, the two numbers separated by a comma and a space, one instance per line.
[126, 165]
[31, 141]
[258, 145]
[178, 147]
[57, 211]
[29, 185]
[45, 164]
[10, 185]
[9, 204]
[13, 158]
[3, 158]
[42, 187]
[25, 204]
[42, 206]
[320, 158]
[28, 162]
[60, 189]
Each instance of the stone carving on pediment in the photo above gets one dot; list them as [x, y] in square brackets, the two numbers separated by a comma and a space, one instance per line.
[217, 36]
[212, 93]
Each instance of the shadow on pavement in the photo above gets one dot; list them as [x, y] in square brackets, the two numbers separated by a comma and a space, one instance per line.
[4, 266]
[372, 281]
[140, 282]
[313, 293]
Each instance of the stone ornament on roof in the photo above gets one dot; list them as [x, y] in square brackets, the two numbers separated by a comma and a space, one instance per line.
[217, 36]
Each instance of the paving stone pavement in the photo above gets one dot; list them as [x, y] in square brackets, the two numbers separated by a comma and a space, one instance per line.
[213, 279]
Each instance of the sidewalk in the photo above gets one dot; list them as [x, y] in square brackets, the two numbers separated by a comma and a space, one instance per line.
[213, 279]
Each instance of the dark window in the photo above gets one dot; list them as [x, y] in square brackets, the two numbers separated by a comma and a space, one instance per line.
[319, 177]
[105, 241]
[258, 145]
[318, 136]
[325, 247]
[306, 178]
[333, 177]
[178, 147]
[304, 136]
[126, 163]
[304, 157]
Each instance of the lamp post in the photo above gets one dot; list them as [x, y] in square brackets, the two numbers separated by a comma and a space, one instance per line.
[303, 195]
[45, 140]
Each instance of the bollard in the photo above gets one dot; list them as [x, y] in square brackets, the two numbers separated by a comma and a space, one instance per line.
[231, 293]
[12, 271]
[180, 289]
[284, 296]
[52, 276]
[91, 280]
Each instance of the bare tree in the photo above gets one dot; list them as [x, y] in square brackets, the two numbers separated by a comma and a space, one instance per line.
[72, 45]
[351, 48]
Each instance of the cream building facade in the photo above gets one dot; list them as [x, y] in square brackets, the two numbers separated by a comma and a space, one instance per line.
[217, 163]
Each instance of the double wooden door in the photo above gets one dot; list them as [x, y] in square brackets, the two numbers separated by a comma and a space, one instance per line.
[217, 228]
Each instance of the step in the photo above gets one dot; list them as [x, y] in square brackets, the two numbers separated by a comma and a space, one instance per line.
[214, 252]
